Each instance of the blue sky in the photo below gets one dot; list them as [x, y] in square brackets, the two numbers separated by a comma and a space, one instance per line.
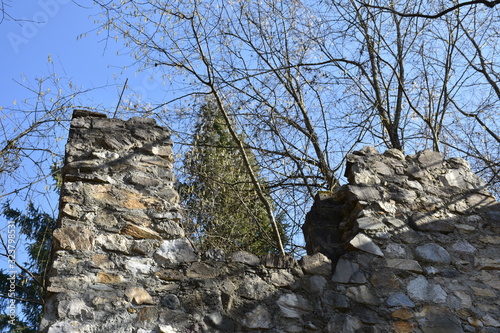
[51, 30]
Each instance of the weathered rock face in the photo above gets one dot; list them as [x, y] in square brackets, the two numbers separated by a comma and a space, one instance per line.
[409, 245]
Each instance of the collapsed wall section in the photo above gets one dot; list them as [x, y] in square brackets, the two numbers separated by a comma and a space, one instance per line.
[415, 243]
[409, 245]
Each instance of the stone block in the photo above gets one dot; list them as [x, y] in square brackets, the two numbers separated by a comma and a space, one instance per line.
[258, 318]
[317, 264]
[138, 295]
[419, 289]
[405, 265]
[74, 238]
[424, 221]
[364, 193]
[175, 251]
[245, 258]
[282, 278]
[365, 243]
[293, 305]
[254, 287]
[370, 223]
[363, 295]
[347, 271]
[439, 319]
[432, 253]
[429, 159]
[399, 300]
[201, 270]
[139, 232]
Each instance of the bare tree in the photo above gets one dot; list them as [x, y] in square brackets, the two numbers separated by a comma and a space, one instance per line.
[308, 82]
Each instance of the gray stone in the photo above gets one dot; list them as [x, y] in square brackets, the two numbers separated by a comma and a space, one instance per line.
[245, 258]
[369, 223]
[347, 271]
[368, 151]
[317, 283]
[214, 254]
[362, 295]
[364, 193]
[430, 159]
[402, 195]
[282, 278]
[405, 265]
[399, 300]
[175, 251]
[393, 250]
[382, 169]
[490, 321]
[317, 264]
[344, 324]
[114, 242]
[170, 301]
[74, 308]
[335, 299]
[253, 287]
[394, 222]
[432, 253]
[202, 270]
[454, 178]
[395, 153]
[259, 317]
[365, 243]
[464, 246]
[139, 266]
[293, 305]
[414, 185]
[363, 177]
[279, 261]
[439, 319]
[419, 289]
[169, 228]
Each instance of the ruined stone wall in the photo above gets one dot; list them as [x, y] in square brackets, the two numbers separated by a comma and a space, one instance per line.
[411, 244]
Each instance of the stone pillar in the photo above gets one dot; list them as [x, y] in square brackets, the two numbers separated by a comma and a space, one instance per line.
[118, 219]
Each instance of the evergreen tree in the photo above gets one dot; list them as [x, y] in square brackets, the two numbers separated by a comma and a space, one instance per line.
[223, 208]
[35, 228]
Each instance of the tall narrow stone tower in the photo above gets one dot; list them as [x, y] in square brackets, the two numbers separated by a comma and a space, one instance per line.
[118, 217]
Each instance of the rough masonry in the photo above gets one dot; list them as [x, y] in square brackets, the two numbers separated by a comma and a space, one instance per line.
[410, 244]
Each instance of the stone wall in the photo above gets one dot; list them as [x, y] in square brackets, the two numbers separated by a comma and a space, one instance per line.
[409, 245]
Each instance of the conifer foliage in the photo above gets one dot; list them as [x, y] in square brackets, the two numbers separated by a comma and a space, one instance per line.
[223, 210]
[35, 227]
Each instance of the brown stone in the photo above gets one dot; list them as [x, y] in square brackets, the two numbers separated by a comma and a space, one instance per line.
[484, 292]
[74, 238]
[170, 275]
[140, 232]
[405, 264]
[200, 270]
[385, 280]
[403, 327]
[147, 314]
[108, 278]
[138, 296]
[488, 264]
[402, 314]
